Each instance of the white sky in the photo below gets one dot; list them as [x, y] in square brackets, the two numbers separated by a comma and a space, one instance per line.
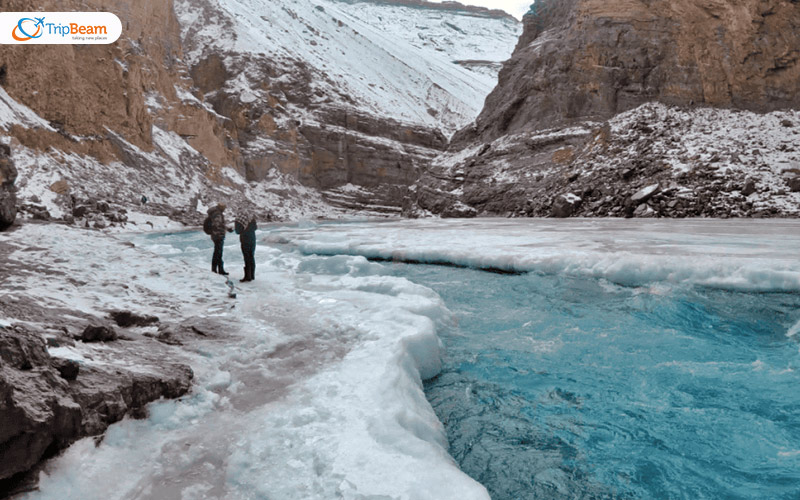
[514, 7]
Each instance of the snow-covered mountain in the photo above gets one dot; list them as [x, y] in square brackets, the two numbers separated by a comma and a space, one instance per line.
[290, 105]
[391, 59]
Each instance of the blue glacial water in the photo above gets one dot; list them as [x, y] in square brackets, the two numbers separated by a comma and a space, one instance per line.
[574, 388]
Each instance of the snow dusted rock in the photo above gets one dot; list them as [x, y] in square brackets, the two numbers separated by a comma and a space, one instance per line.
[644, 211]
[108, 394]
[644, 194]
[794, 184]
[47, 402]
[609, 90]
[8, 197]
[37, 411]
[565, 205]
[707, 163]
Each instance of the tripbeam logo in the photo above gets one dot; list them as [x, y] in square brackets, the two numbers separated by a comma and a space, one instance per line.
[19, 34]
[59, 28]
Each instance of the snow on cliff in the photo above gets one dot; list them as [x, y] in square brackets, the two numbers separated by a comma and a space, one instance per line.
[398, 61]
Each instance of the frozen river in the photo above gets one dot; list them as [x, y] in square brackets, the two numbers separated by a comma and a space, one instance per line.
[597, 359]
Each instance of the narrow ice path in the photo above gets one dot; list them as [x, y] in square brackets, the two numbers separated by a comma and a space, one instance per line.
[313, 391]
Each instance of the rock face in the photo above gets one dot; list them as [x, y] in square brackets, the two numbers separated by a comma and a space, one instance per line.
[47, 403]
[574, 112]
[593, 59]
[8, 197]
[37, 411]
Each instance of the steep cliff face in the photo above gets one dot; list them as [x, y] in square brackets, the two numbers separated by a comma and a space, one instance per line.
[567, 131]
[270, 102]
[83, 122]
[592, 59]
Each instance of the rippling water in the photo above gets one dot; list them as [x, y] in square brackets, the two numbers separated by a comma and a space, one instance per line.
[559, 387]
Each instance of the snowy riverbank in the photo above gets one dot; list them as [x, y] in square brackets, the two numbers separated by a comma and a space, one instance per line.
[310, 388]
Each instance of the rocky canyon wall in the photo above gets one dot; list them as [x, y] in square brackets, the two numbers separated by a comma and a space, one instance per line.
[592, 59]
[568, 130]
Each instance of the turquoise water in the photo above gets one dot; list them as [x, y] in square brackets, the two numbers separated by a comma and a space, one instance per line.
[575, 388]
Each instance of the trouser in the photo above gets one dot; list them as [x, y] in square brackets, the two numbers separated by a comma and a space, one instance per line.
[249, 254]
[216, 260]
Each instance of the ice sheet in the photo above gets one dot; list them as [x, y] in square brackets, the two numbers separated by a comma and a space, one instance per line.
[754, 255]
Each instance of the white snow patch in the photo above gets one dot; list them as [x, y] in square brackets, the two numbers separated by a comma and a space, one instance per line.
[14, 113]
[395, 61]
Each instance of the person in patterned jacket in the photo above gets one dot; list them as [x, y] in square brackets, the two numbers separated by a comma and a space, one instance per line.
[246, 227]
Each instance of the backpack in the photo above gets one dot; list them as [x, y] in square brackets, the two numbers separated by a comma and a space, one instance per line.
[207, 225]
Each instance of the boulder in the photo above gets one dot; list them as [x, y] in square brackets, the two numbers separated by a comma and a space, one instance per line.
[37, 412]
[67, 368]
[749, 187]
[644, 194]
[644, 210]
[47, 403]
[107, 393]
[8, 197]
[80, 211]
[459, 210]
[127, 319]
[60, 187]
[99, 333]
[565, 205]
[794, 184]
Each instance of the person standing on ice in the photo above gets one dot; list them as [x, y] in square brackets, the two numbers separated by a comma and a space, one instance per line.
[214, 225]
[246, 229]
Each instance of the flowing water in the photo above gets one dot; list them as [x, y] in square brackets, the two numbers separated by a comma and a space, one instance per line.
[558, 387]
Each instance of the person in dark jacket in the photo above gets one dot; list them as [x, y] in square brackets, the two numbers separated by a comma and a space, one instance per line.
[246, 229]
[214, 226]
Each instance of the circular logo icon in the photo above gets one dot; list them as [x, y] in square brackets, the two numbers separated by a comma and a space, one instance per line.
[22, 31]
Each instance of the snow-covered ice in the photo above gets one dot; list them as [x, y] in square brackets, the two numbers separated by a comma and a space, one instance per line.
[747, 255]
[314, 391]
